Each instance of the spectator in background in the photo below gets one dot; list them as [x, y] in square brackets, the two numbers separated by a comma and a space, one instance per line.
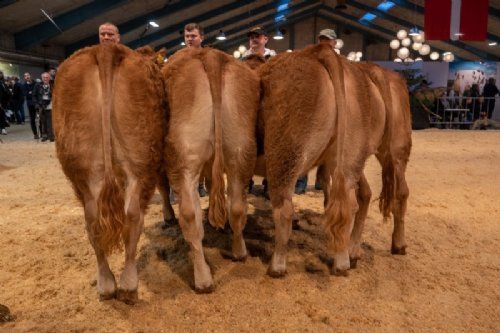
[490, 90]
[17, 100]
[257, 41]
[193, 35]
[28, 86]
[42, 98]
[108, 33]
[473, 101]
[4, 100]
[328, 36]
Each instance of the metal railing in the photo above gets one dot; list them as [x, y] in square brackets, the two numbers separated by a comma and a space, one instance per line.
[460, 111]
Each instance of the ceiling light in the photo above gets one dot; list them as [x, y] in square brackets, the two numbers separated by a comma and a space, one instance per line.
[492, 43]
[221, 35]
[413, 31]
[278, 35]
[339, 44]
[183, 44]
[401, 34]
[153, 24]
[242, 49]
[394, 44]
[237, 54]
[434, 56]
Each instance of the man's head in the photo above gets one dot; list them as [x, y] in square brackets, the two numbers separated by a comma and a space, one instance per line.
[45, 78]
[27, 77]
[108, 33]
[193, 35]
[328, 36]
[257, 40]
[52, 73]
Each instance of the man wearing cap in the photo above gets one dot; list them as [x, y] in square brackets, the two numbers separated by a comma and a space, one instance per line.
[258, 40]
[328, 36]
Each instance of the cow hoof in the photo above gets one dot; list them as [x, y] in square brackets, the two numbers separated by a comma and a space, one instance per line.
[339, 272]
[276, 273]
[353, 262]
[107, 297]
[398, 250]
[229, 255]
[129, 297]
[204, 290]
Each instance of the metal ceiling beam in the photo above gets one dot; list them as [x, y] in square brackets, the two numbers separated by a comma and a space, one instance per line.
[179, 26]
[43, 31]
[5, 3]
[135, 23]
[461, 45]
[215, 27]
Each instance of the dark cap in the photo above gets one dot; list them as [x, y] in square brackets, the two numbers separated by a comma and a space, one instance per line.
[256, 31]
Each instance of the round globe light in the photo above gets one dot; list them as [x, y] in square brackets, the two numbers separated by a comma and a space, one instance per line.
[398, 60]
[288, 50]
[394, 44]
[406, 42]
[351, 56]
[408, 60]
[434, 56]
[242, 49]
[359, 54]
[448, 57]
[402, 34]
[339, 44]
[416, 46]
[403, 53]
[420, 38]
[237, 54]
[418, 59]
[424, 49]
[337, 51]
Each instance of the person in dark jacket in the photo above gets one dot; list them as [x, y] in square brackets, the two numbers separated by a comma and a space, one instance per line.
[17, 100]
[28, 86]
[4, 100]
[42, 98]
[490, 90]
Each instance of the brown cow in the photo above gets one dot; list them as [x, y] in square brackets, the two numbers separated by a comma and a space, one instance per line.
[109, 139]
[308, 121]
[213, 101]
[390, 141]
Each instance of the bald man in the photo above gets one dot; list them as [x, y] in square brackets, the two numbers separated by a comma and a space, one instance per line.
[108, 33]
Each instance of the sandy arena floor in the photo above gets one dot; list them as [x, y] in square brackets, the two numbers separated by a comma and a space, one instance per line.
[448, 282]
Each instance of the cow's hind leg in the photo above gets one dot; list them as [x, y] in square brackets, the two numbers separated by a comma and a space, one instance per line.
[282, 216]
[127, 291]
[363, 195]
[238, 213]
[398, 245]
[106, 284]
[190, 218]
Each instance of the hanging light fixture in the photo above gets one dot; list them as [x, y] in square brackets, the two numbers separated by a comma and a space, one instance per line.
[401, 34]
[406, 42]
[221, 35]
[398, 60]
[403, 53]
[394, 44]
[416, 46]
[242, 49]
[237, 54]
[434, 56]
[339, 44]
[414, 32]
[420, 38]
[448, 57]
[278, 35]
[424, 49]
[418, 59]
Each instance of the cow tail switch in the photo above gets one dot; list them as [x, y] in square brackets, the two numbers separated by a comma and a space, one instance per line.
[111, 215]
[213, 63]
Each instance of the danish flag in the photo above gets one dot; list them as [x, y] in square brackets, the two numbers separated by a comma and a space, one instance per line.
[456, 19]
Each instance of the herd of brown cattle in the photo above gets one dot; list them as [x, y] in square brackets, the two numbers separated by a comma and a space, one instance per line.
[129, 126]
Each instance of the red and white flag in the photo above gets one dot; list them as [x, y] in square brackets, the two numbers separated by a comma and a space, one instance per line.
[456, 19]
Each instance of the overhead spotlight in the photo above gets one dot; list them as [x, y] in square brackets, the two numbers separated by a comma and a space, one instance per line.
[242, 49]
[278, 35]
[221, 35]
[183, 44]
[492, 43]
[153, 24]
[414, 31]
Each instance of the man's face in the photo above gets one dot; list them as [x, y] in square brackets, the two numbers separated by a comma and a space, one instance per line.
[258, 42]
[46, 78]
[108, 34]
[193, 38]
[326, 40]
[27, 77]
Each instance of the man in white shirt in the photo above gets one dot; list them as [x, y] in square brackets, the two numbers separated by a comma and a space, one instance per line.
[257, 41]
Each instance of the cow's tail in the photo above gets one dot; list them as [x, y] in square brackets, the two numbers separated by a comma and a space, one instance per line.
[110, 204]
[387, 194]
[213, 63]
[338, 211]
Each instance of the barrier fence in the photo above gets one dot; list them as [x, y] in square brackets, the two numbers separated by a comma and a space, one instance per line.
[461, 111]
